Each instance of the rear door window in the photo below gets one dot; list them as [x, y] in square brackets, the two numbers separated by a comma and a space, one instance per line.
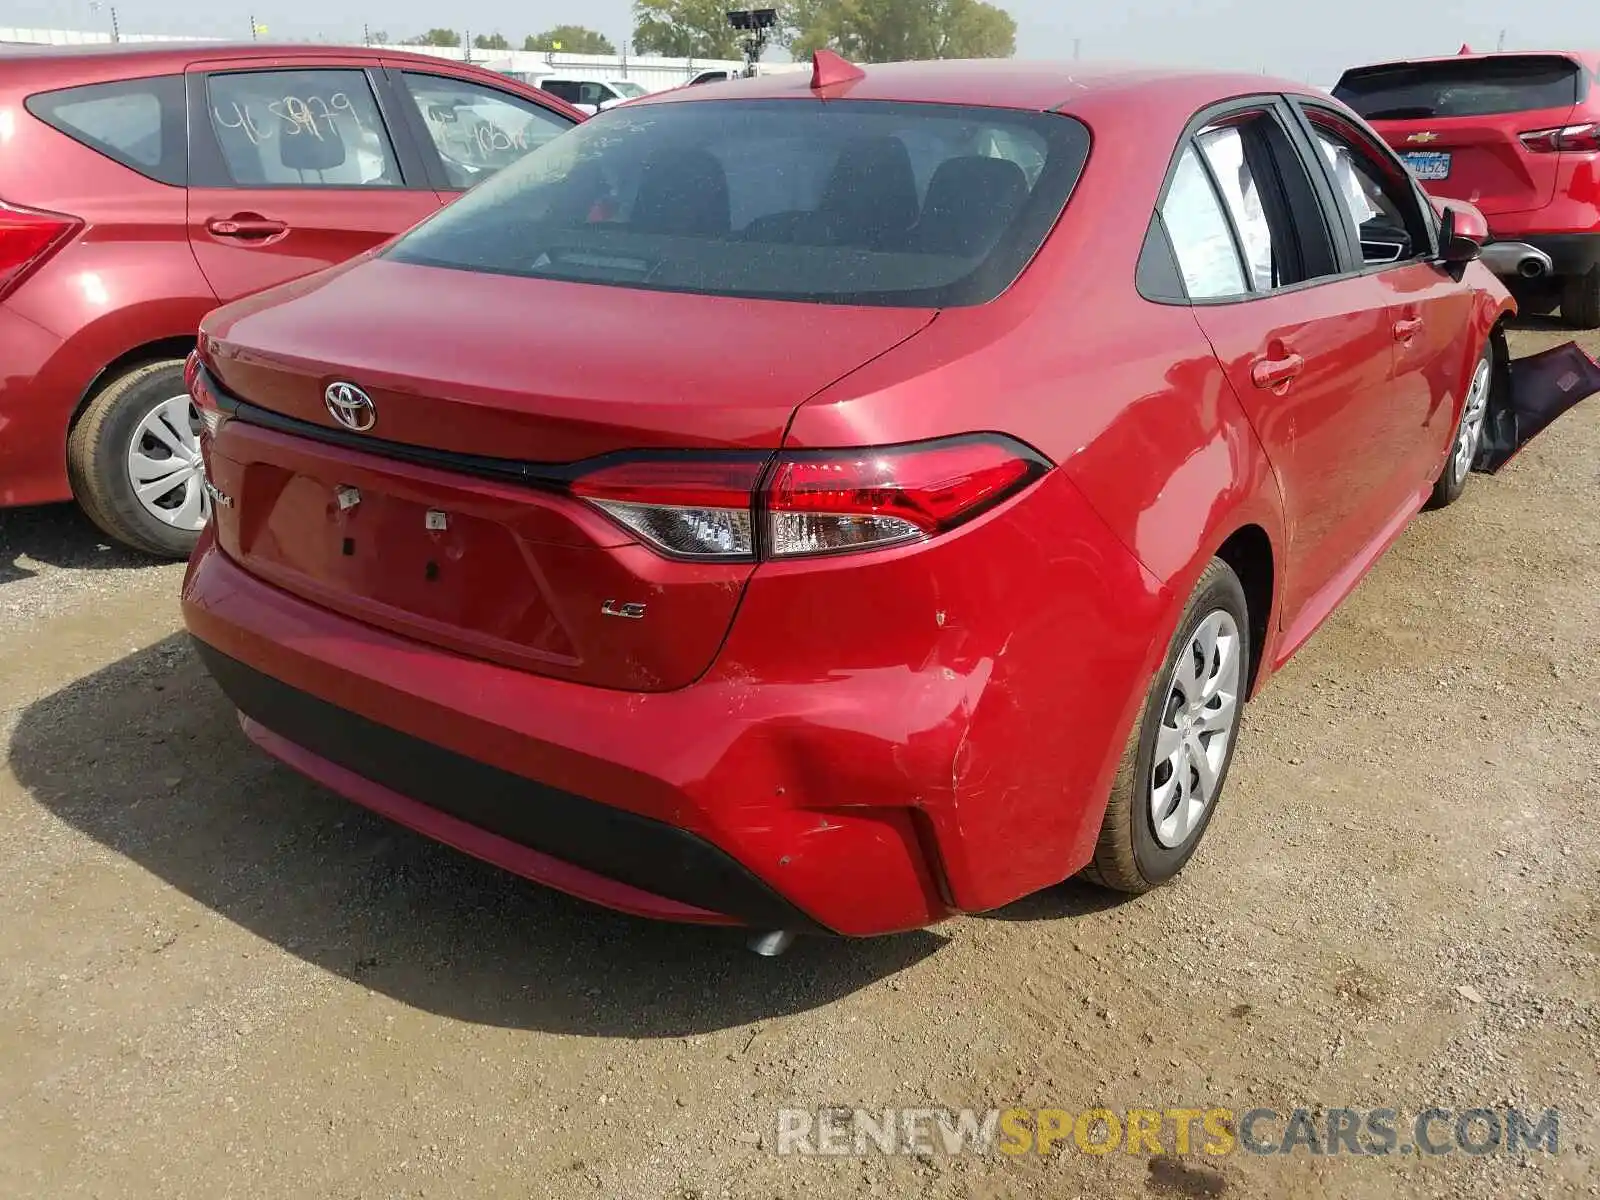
[478, 130]
[1223, 147]
[305, 128]
[1208, 257]
[1473, 87]
[1241, 211]
[137, 122]
[844, 202]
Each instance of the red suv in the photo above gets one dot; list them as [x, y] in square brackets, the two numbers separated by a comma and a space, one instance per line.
[838, 501]
[1518, 135]
[140, 186]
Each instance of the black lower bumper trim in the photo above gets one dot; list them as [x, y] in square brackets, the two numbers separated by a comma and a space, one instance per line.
[639, 851]
[1570, 253]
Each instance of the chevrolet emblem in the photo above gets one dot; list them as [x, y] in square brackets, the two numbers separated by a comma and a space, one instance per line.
[1423, 137]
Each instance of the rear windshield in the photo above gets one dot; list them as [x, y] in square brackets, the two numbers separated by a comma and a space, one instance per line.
[1476, 87]
[838, 202]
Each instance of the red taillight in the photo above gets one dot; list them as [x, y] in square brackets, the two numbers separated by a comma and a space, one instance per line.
[690, 507]
[813, 501]
[819, 503]
[1566, 137]
[212, 416]
[27, 238]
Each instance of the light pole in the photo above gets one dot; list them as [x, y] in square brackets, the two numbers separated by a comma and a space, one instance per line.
[95, 6]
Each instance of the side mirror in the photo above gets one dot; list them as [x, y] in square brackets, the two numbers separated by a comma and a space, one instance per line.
[1462, 233]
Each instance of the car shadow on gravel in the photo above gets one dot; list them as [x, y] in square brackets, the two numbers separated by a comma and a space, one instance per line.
[1074, 898]
[146, 757]
[59, 535]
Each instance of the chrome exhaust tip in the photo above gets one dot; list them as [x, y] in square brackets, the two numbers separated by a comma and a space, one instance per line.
[770, 945]
[1518, 259]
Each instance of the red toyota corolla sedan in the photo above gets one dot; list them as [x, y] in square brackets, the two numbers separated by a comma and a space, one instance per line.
[837, 501]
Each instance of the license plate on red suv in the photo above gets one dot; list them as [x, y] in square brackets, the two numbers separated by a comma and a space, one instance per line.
[1428, 164]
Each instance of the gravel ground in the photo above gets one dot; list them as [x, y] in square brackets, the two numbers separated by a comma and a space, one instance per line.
[220, 980]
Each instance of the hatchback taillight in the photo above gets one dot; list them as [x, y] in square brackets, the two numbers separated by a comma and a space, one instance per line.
[212, 416]
[1564, 137]
[28, 237]
[809, 502]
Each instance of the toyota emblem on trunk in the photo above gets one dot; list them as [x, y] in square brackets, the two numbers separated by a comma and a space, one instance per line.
[350, 406]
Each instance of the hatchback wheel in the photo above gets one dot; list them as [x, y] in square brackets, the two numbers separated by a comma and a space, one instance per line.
[1452, 480]
[134, 459]
[1176, 761]
[1580, 299]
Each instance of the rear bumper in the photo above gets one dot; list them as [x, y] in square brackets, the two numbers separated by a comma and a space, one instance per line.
[880, 743]
[1570, 253]
[604, 854]
[648, 803]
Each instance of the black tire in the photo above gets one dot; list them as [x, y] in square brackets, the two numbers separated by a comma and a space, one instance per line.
[1537, 299]
[1129, 856]
[97, 459]
[1580, 300]
[1452, 479]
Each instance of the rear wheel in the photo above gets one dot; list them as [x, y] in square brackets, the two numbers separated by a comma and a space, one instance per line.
[134, 461]
[1177, 758]
[1580, 299]
[1537, 299]
[1452, 480]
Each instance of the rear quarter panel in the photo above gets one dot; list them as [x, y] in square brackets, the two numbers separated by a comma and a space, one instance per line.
[128, 278]
[1157, 467]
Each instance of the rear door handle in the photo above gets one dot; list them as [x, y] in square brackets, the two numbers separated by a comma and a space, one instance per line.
[1276, 372]
[245, 226]
[1407, 328]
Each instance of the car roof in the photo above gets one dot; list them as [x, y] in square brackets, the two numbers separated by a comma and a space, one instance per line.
[1004, 83]
[147, 56]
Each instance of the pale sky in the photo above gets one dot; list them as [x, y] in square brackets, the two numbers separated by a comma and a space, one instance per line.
[1311, 44]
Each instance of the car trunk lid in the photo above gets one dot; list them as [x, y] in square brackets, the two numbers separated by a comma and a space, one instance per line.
[446, 519]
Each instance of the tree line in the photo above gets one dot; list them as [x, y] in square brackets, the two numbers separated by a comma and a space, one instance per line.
[572, 39]
[861, 30]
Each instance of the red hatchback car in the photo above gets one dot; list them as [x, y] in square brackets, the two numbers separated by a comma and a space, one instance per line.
[1516, 135]
[837, 502]
[141, 185]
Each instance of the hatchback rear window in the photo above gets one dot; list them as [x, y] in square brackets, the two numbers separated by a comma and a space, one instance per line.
[862, 202]
[1477, 87]
[139, 123]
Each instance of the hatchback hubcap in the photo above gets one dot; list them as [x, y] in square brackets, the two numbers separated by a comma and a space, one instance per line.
[1197, 723]
[165, 466]
[1472, 414]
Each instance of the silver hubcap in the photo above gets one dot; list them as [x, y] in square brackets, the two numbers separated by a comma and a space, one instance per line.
[1197, 723]
[165, 467]
[1472, 414]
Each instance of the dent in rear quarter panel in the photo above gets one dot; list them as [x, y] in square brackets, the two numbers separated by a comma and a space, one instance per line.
[1013, 649]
